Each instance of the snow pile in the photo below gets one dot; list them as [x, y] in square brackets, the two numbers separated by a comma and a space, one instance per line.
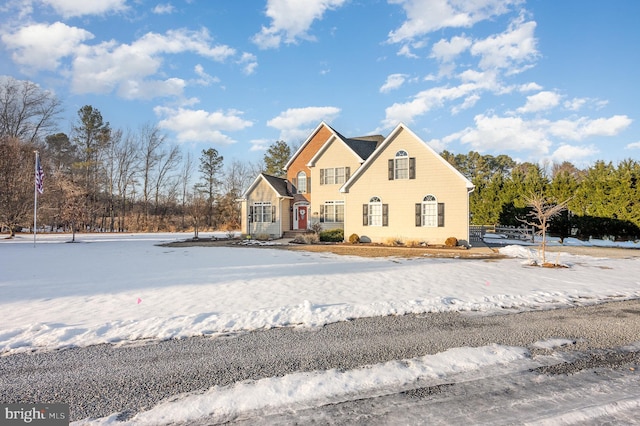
[302, 390]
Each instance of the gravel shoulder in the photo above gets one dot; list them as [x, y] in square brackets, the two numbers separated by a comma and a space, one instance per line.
[100, 380]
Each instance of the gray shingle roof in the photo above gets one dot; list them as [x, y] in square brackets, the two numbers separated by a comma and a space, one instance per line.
[279, 184]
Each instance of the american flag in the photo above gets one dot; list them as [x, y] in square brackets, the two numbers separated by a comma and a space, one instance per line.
[39, 175]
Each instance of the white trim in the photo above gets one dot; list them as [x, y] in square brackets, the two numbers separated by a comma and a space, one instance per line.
[255, 183]
[326, 145]
[296, 226]
[373, 157]
[306, 142]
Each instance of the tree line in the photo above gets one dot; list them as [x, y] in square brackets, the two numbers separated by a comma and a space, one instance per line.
[603, 200]
[102, 179]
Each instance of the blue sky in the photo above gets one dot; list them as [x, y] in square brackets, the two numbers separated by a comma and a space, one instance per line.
[541, 81]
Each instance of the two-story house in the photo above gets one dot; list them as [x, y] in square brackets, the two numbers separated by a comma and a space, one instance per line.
[378, 188]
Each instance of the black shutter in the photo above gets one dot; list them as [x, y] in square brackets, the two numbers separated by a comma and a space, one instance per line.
[347, 173]
[365, 215]
[440, 214]
[418, 214]
[273, 213]
[294, 181]
[321, 213]
[412, 168]
[321, 176]
[309, 184]
[250, 214]
[385, 215]
[390, 169]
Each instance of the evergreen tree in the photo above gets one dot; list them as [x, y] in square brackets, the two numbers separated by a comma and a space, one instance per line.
[210, 168]
[276, 158]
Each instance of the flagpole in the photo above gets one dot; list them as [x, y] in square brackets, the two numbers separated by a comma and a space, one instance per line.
[35, 200]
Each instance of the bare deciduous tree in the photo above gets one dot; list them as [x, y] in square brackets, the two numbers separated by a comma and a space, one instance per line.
[16, 182]
[74, 204]
[542, 212]
[27, 112]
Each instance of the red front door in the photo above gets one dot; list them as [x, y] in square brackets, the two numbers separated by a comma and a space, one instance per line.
[302, 217]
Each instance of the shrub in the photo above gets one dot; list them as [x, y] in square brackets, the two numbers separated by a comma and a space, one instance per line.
[394, 241]
[451, 242]
[310, 238]
[354, 239]
[332, 235]
[413, 243]
[316, 227]
[263, 237]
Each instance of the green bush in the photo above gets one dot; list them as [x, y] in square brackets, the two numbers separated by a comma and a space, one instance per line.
[332, 235]
[354, 239]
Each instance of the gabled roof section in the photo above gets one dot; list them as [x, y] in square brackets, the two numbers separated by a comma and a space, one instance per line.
[279, 185]
[381, 146]
[362, 147]
[306, 142]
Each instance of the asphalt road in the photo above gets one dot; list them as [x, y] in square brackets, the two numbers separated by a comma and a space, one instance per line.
[100, 380]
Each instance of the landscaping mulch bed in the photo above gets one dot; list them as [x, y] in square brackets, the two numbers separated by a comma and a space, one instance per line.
[345, 249]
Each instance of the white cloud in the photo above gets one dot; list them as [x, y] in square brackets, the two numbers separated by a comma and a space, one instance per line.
[71, 8]
[202, 126]
[583, 127]
[633, 145]
[42, 46]
[291, 20]
[506, 133]
[406, 52]
[510, 50]
[249, 62]
[164, 9]
[260, 144]
[575, 104]
[429, 99]
[469, 102]
[540, 102]
[295, 124]
[572, 153]
[205, 79]
[500, 134]
[394, 81]
[425, 16]
[529, 87]
[142, 89]
[447, 50]
[108, 66]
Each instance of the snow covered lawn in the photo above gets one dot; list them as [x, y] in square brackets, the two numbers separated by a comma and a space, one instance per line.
[118, 288]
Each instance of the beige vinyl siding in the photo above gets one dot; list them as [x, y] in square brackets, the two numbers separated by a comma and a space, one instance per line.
[264, 193]
[336, 155]
[432, 177]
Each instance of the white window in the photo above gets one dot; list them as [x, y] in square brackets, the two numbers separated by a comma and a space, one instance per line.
[401, 165]
[302, 182]
[332, 211]
[375, 211]
[329, 177]
[429, 211]
[262, 212]
[337, 175]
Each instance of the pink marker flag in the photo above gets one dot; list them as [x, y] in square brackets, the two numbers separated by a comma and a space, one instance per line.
[139, 300]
